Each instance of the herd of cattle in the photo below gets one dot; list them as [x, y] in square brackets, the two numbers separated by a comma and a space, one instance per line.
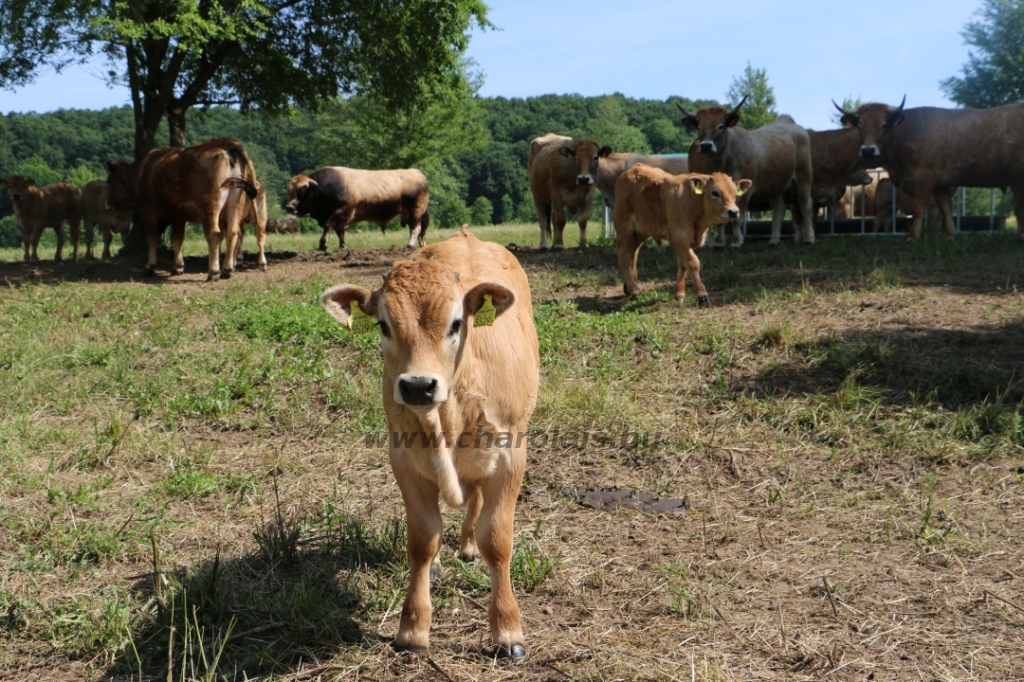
[926, 154]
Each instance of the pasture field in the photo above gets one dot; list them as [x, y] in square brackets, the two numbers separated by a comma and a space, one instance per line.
[186, 479]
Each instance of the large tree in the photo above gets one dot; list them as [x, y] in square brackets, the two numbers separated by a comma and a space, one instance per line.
[759, 108]
[264, 54]
[994, 74]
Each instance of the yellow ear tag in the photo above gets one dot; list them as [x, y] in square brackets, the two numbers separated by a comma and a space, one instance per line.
[739, 192]
[698, 189]
[485, 316]
[358, 321]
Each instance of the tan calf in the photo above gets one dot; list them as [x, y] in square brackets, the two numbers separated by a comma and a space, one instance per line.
[466, 392]
[679, 208]
[96, 214]
[37, 209]
[253, 209]
[563, 172]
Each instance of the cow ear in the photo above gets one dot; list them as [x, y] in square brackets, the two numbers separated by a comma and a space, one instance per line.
[30, 182]
[691, 123]
[697, 184]
[850, 120]
[604, 151]
[732, 119]
[482, 298]
[338, 302]
[567, 152]
[894, 119]
[743, 186]
[311, 184]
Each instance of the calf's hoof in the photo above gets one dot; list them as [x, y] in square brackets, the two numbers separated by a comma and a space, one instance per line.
[212, 276]
[178, 270]
[558, 247]
[263, 267]
[514, 653]
[809, 245]
[408, 650]
[703, 301]
[149, 271]
[226, 274]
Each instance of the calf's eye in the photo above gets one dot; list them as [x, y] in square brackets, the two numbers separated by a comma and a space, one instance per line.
[716, 194]
[384, 329]
[456, 327]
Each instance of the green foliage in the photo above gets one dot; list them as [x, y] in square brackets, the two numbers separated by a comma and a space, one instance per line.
[610, 126]
[994, 74]
[82, 175]
[507, 208]
[849, 103]
[759, 109]
[36, 168]
[481, 212]
[10, 234]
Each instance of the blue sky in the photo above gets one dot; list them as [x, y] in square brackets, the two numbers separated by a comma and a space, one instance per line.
[812, 50]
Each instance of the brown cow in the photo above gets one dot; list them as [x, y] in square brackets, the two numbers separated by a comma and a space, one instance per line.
[337, 197]
[774, 157]
[286, 225]
[177, 185]
[458, 396]
[679, 208]
[929, 151]
[612, 166]
[562, 174]
[96, 214]
[253, 210]
[37, 209]
[836, 164]
[859, 200]
[904, 206]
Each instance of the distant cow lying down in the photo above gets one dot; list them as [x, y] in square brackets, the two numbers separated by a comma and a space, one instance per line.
[680, 208]
[286, 225]
[37, 209]
[337, 197]
[461, 367]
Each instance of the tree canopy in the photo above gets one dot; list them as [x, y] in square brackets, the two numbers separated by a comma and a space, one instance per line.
[269, 55]
[994, 72]
[759, 108]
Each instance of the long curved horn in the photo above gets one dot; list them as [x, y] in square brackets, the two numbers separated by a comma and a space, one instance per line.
[737, 109]
[685, 112]
[902, 103]
[842, 111]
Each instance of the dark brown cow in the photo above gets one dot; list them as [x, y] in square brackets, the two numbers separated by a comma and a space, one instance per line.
[774, 157]
[286, 225]
[337, 197]
[178, 185]
[97, 215]
[612, 166]
[836, 164]
[678, 208]
[37, 209]
[929, 151]
[904, 206]
[562, 173]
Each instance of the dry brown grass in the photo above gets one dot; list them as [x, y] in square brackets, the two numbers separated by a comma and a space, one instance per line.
[845, 426]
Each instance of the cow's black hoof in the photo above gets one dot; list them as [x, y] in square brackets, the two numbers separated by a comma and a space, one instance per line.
[212, 276]
[515, 653]
[226, 274]
[178, 271]
[408, 650]
[703, 301]
[809, 245]
[149, 272]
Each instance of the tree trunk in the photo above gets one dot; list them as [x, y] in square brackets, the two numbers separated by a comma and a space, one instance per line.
[176, 123]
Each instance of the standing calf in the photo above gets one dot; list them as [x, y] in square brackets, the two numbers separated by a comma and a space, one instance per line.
[652, 203]
[37, 209]
[461, 367]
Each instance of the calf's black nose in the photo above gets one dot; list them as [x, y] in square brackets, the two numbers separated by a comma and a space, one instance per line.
[417, 390]
[584, 180]
[733, 213]
[706, 146]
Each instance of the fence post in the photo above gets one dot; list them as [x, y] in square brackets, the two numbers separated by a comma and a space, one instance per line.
[959, 207]
[894, 191]
[607, 226]
[992, 209]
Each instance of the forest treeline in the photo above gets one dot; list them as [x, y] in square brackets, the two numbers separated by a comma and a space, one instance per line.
[476, 164]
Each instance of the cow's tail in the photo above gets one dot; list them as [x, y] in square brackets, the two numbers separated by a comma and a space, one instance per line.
[245, 184]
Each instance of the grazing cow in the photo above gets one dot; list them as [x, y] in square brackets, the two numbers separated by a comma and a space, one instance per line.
[461, 367]
[679, 208]
[286, 225]
[612, 166]
[562, 174]
[774, 157]
[929, 151]
[178, 185]
[860, 199]
[37, 209]
[253, 209]
[904, 206]
[96, 214]
[337, 197]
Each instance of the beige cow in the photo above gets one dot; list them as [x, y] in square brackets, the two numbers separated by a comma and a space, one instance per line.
[37, 209]
[680, 208]
[253, 211]
[97, 214]
[464, 393]
[563, 172]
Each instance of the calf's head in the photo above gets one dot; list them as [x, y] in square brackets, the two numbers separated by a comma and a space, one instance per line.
[424, 316]
[719, 193]
[17, 185]
[121, 178]
[587, 154]
[875, 123]
[301, 190]
[711, 125]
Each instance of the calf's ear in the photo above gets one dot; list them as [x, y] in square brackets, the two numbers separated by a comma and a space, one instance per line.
[501, 298]
[743, 186]
[698, 185]
[567, 152]
[604, 151]
[338, 301]
[30, 182]
[850, 120]
[894, 119]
